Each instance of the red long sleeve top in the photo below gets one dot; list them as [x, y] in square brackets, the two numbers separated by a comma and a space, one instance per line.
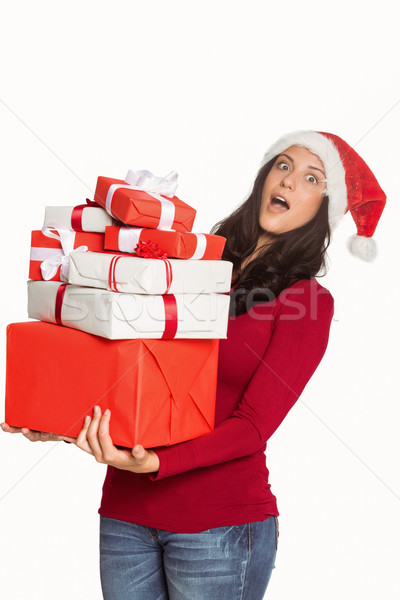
[221, 478]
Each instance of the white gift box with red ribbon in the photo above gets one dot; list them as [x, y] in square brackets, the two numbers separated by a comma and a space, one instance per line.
[129, 316]
[84, 217]
[137, 275]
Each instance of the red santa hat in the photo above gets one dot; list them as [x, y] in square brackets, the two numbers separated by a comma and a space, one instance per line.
[351, 185]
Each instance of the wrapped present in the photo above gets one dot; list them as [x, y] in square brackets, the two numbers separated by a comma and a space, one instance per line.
[173, 243]
[50, 249]
[144, 200]
[85, 217]
[55, 376]
[129, 316]
[137, 275]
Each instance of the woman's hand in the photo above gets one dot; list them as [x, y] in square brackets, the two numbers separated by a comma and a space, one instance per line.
[95, 439]
[35, 436]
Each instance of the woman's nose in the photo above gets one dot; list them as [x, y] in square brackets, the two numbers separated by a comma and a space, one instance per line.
[288, 181]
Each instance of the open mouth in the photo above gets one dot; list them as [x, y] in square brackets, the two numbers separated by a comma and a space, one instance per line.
[280, 203]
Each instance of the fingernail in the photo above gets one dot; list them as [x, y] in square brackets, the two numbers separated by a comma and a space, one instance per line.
[87, 419]
[107, 412]
[96, 410]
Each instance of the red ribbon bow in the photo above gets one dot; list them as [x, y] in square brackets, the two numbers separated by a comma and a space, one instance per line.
[152, 250]
[149, 250]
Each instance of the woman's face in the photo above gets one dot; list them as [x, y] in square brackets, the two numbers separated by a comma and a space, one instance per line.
[297, 178]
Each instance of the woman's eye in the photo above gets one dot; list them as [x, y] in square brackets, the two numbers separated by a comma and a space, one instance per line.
[284, 166]
[315, 180]
[282, 163]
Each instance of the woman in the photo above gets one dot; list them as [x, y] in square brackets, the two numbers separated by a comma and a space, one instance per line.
[198, 519]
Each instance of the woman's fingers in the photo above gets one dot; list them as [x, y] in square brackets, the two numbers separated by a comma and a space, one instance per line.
[82, 441]
[32, 434]
[92, 435]
[108, 449]
[146, 461]
[65, 438]
[139, 454]
[8, 429]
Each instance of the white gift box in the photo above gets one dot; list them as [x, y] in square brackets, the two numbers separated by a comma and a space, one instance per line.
[87, 218]
[128, 316]
[137, 275]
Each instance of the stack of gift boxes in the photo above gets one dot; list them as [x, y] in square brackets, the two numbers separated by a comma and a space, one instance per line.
[130, 306]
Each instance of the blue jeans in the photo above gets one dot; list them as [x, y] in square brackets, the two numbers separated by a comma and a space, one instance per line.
[227, 563]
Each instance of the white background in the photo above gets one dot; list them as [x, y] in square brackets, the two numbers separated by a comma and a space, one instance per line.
[93, 88]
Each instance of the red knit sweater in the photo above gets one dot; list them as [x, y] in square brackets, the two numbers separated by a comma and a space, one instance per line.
[221, 478]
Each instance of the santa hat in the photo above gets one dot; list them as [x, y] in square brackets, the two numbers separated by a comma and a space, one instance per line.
[351, 185]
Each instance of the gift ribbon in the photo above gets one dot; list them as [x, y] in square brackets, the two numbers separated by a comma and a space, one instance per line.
[77, 212]
[170, 309]
[112, 281]
[59, 302]
[66, 237]
[38, 253]
[128, 237]
[154, 186]
[171, 317]
[145, 180]
[201, 245]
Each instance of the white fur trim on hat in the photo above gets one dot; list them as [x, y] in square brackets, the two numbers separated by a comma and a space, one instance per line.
[362, 247]
[327, 152]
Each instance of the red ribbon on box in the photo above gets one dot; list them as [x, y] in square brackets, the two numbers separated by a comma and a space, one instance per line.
[76, 215]
[152, 250]
[144, 250]
[59, 302]
[111, 274]
[170, 308]
[171, 317]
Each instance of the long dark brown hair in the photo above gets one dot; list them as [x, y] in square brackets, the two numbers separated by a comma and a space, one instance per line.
[289, 257]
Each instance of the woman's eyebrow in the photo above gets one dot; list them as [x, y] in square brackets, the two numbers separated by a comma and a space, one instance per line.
[309, 166]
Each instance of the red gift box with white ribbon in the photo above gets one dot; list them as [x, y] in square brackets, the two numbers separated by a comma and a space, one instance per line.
[55, 376]
[143, 200]
[174, 243]
[50, 248]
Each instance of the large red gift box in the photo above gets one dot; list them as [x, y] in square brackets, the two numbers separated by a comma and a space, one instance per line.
[160, 392]
[143, 209]
[174, 243]
[55, 249]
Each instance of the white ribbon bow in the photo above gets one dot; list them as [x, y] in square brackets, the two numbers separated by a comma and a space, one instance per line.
[66, 237]
[146, 181]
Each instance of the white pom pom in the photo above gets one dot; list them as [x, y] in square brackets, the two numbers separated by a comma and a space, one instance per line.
[362, 247]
